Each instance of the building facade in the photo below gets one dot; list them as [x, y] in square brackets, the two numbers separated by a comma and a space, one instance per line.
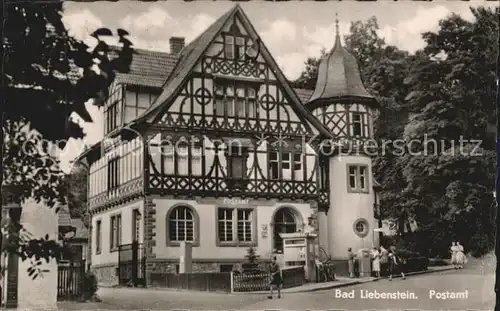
[210, 144]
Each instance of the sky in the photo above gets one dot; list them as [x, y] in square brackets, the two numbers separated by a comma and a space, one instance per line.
[292, 31]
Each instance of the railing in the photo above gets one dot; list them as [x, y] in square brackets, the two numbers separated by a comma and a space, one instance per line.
[210, 282]
[226, 281]
[291, 276]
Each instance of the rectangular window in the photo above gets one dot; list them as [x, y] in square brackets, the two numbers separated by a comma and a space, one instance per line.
[244, 225]
[225, 220]
[196, 154]
[113, 174]
[182, 160]
[239, 48]
[112, 116]
[98, 237]
[281, 167]
[357, 124]
[235, 225]
[274, 168]
[357, 178]
[229, 47]
[251, 103]
[168, 159]
[235, 100]
[297, 166]
[115, 234]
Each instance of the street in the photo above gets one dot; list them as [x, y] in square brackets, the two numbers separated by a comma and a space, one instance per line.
[476, 281]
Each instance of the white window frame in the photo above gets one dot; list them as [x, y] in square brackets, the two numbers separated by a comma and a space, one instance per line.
[236, 220]
[359, 174]
[356, 123]
[175, 221]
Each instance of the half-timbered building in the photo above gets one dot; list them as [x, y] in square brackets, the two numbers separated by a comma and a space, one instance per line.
[211, 145]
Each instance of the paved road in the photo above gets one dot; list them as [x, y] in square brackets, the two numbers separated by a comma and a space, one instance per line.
[479, 286]
[477, 279]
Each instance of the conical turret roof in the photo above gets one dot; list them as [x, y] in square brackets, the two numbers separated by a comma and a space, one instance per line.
[338, 75]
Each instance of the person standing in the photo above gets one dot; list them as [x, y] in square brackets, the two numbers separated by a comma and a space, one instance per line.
[460, 257]
[275, 278]
[394, 264]
[384, 260]
[376, 262]
[453, 251]
[351, 257]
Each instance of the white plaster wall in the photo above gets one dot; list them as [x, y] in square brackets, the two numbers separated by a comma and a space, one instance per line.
[207, 248]
[106, 256]
[346, 208]
[39, 220]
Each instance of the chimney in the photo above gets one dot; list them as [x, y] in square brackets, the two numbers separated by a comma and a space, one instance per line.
[176, 45]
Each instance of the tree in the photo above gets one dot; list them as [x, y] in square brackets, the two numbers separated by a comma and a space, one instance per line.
[308, 77]
[76, 187]
[251, 264]
[444, 92]
[450, 180]
[40, 90]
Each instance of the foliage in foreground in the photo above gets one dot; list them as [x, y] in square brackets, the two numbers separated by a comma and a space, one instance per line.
[40, 90]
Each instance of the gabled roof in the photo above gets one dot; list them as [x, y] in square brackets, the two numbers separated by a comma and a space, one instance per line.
[188, 58]
[338, 76]
[193, 52]
[148, 68]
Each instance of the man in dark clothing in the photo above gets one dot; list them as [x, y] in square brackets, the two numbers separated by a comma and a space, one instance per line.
[275, 278]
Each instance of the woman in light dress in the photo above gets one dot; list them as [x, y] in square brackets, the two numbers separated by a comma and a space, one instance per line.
[454, 250]
[460, 257]
[376, 262]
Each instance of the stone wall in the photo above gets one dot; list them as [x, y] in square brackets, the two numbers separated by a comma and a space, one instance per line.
[106, 274]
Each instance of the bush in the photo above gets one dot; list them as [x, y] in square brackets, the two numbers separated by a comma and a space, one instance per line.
[405, 253]
[90, 286]
[438, 262]
[414, 264]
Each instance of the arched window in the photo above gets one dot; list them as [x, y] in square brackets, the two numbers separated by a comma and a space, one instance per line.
[181, 225]
[285, 221]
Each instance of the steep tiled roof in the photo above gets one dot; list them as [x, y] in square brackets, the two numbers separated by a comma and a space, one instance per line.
[64, 216]
[338, 76]
[152, 63]
[66, 220]
[303, 94]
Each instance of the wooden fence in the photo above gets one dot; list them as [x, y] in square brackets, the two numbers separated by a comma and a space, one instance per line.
[70, 281]
[226, 281]
[210, 282]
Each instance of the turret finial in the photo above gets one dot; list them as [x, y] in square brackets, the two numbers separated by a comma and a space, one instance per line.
[337, 32]
[337, 24]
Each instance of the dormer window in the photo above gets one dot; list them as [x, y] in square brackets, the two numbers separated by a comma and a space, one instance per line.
[234, 47]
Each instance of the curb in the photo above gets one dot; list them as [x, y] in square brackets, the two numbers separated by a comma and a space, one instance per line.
[350, 283]
[368, 280]
[291, 291]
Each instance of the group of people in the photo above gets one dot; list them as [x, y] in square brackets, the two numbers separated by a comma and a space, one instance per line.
[458, 258]
[382, 259]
